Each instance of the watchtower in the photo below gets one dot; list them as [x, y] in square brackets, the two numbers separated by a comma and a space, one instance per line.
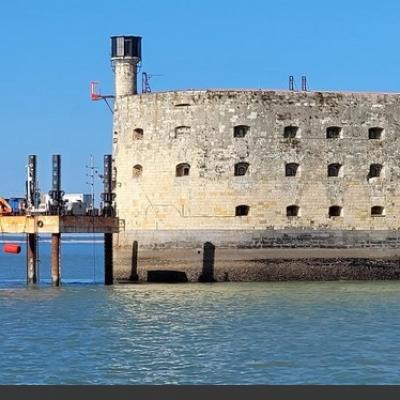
[126, 54]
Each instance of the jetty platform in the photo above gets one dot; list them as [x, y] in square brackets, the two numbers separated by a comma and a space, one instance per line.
[56, 225]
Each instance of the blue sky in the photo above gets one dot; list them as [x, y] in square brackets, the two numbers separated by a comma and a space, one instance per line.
[51, 50]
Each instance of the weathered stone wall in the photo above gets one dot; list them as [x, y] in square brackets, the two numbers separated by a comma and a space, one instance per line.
[196, 127]
[206, 199]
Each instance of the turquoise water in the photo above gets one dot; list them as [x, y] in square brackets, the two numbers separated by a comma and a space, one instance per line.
[236, 333]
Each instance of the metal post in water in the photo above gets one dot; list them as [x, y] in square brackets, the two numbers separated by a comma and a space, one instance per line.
[108, 211]
[31, 261]
[55, 259]
[108, 259]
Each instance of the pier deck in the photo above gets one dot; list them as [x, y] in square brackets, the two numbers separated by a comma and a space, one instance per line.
[34, 225]
[58, 224]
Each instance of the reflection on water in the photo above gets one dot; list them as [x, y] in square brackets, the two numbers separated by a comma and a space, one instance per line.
[273, 333]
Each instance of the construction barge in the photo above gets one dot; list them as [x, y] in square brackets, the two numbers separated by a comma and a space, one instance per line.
[32, 222]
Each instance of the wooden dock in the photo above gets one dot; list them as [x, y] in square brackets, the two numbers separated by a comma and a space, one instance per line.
[56, 225]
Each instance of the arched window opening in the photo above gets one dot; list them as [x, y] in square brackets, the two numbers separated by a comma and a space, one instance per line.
[290, 132]
[334, 169]
[375, 133]
[240, 131]
[333, 132]
[242, 210]
[241, 168]
[335, 211]
[181, 131]
[375, 170]
[138, 134]
[377, 211]
[137, 170]
[292, 211]
[182, 169]
[291, 169]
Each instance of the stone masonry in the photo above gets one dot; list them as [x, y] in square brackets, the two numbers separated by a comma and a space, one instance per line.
[246, 169]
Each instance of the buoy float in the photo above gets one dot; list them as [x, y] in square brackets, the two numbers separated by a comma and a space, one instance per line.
[12, 248]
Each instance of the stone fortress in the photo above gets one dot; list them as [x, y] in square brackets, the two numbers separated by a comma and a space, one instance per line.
[253, 184]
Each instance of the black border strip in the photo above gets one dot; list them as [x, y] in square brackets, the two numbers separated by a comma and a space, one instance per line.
[204, 392]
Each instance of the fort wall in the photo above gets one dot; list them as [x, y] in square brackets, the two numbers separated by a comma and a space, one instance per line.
[256, 169]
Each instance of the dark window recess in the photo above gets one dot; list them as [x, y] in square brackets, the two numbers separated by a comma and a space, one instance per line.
[334, 169]
[291, 169]
[335, 211]
[333, 132]
[375, 133]
[242, 210]
[377, 210]
[182, 131]
[241, 168]
[375, 170]
[240, 131]
[137, 170]
[182, 169]
[138, 133]
[290, 132]
[292, 211]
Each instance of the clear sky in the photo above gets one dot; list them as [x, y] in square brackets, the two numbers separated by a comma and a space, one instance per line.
[51, 50]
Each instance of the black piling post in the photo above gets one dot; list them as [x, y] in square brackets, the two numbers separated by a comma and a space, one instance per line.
[31, 261]
[108, 211]
[56, 208]
[55, 259]
[108, 259]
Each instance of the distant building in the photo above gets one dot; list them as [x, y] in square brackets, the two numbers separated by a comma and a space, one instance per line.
[74, 203]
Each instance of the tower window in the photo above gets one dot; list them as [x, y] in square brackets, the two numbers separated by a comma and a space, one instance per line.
[182, 169]
[292, 211]
[241, 168]
[242, 210]
[138, 134]
[240, 131]
[335, 211]
[334, 169]
[137, 170]
[290, 132]
[377, 210]
[375, 133]
[375, 170]
[182, 131]
[291, 169]
[333, 132]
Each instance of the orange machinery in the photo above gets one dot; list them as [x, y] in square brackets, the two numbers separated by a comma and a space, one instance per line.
[5, 208]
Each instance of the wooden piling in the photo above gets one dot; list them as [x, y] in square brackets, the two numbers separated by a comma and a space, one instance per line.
[108, 259]
[31, 262]
[55, 259]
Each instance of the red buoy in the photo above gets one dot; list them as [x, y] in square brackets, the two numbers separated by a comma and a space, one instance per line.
[12, 248]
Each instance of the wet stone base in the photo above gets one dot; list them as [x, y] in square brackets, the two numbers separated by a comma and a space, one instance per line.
[156, 269]
[256, 255]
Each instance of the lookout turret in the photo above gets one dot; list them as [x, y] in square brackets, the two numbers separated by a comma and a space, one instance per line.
[126, 54]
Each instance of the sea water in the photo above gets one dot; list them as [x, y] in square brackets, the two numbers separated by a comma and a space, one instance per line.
[222, 333]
